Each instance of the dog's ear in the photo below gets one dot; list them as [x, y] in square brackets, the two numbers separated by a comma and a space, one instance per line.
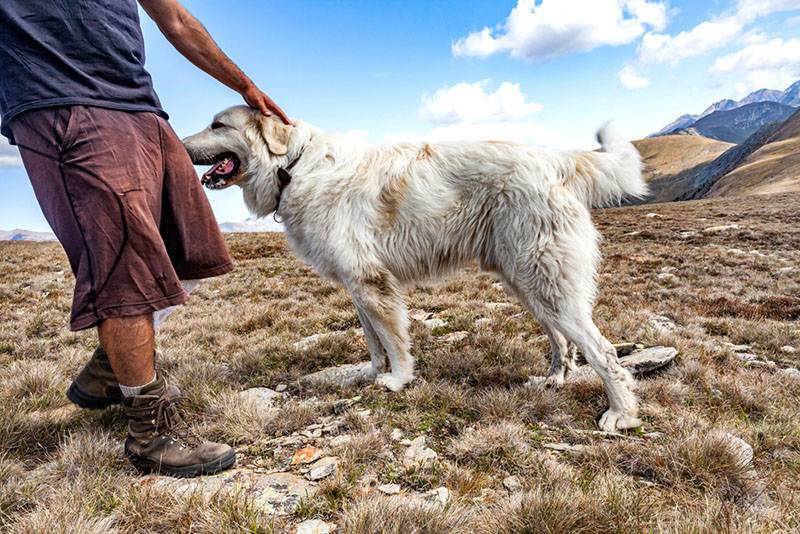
[275, 134]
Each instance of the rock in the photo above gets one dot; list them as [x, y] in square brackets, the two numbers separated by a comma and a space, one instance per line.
[323, 468]
[785, 270]
[791, 372]
[261, 399]
[736, 348]
[745, 357]
[434, 323]
[648, 360]
[741, 448]
[339, 441]
[418, 455]
[759, 254]
[686, 235]
[396, 434]
[341, 375]
[721, 228]
[668, 278]
[389, 489]
[280, 388]
[634, 233]
[512, 484]
[274, 493]
[788, 349]
[341, 405]
[575, 450]
[654, 216]
[736, 251]
[483, 322]
[765, 364]
[419, 315]
[623, 349]
[435, 499]
[454, 337]
[315, 526]
[661, 324]
[306, 456]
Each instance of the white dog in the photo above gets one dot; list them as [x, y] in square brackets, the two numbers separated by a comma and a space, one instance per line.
[379, 219]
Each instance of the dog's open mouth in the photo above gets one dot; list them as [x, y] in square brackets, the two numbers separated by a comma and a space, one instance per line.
[224, 167]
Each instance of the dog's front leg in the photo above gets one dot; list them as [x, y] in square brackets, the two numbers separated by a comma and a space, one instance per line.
[378, 298]
[376, 351]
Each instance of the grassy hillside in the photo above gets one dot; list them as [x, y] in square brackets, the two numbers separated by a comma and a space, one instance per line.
[666, 157]
[514, 459]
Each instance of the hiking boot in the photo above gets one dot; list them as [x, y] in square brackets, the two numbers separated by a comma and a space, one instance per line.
[95, 387]
[160, 442]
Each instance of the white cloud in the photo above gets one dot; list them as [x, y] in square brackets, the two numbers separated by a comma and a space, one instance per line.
[9, 156]
[471, 103]
[706, 36]
[773, 64]
[631, 80]
[552, 28]
[711, 34]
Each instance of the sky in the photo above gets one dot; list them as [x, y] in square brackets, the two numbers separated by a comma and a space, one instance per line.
[543, 72]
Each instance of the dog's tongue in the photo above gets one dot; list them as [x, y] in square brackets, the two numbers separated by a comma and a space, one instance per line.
[221, 167]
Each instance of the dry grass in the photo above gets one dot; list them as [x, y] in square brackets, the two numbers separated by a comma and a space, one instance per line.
[61, 468]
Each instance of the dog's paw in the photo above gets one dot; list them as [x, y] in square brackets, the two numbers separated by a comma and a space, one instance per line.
[392, 382]
[612, 421]
[555, 380]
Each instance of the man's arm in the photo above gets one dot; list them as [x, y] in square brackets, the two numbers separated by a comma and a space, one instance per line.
[192, 40]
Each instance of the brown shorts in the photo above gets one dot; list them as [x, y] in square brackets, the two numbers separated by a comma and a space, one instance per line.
[123, 198]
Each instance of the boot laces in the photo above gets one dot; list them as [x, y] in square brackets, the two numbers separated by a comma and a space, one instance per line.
[169, 421]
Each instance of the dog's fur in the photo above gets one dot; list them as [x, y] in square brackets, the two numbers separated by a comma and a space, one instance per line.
[379, 219]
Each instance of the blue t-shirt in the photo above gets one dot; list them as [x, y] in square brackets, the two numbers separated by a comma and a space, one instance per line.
[72, 52]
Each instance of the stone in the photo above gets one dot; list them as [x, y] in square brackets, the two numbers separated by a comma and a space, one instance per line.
[764, 364]
[280, 388]
[786, 270]
[396, 434]
[418, 455]
[623, 349]
[341, 375]
[654, 216]
[419, 315]
[668, 278]
[788, 349]
[315, 526]
[745, 357]
[512, 484]
[435, 499]
[389, 489]
[324, 467]
[634, 233]
[721, 228]
[661, 324]
[736, 348]
[741, 448]
[454, 337]
[792, 373]
[483, 322]
[759, 254]
[434, 323]
[260, 399]
[575, 450]
[273, 493]
[686, 235]
[306, 455]
[339, 441]
[645, 361]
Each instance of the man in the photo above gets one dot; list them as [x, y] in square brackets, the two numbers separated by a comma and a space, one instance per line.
[120, 193]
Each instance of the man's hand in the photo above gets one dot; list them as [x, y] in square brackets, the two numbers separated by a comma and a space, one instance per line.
[256, 98]
[192, 40]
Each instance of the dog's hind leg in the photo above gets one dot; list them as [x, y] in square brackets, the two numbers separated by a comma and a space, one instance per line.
[376, 351]
[378, 297]
[562, 360]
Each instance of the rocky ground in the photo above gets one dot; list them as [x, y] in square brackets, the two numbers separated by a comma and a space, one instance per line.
[703, 299]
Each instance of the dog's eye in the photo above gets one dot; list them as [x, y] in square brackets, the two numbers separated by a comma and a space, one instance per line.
[217, 125]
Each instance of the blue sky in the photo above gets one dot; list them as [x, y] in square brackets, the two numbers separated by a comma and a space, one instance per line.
[545, 72]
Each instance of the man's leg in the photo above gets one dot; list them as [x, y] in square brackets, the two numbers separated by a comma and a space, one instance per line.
[130, 345]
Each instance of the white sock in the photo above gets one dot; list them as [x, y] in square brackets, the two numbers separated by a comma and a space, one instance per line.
[132, 391]
[161, 315]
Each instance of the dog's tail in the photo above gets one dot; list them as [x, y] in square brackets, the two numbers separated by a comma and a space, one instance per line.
[607, 176]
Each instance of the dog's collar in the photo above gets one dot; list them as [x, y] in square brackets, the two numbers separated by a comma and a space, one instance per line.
[284, 178]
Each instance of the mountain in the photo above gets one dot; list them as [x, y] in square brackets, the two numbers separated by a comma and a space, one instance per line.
[25, 235]
[722, 105]
[251, 225]
[736, 125]
[762, 95]
[681, 123]
[790, 97]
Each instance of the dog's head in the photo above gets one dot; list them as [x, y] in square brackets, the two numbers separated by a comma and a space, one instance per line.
[241, 145]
